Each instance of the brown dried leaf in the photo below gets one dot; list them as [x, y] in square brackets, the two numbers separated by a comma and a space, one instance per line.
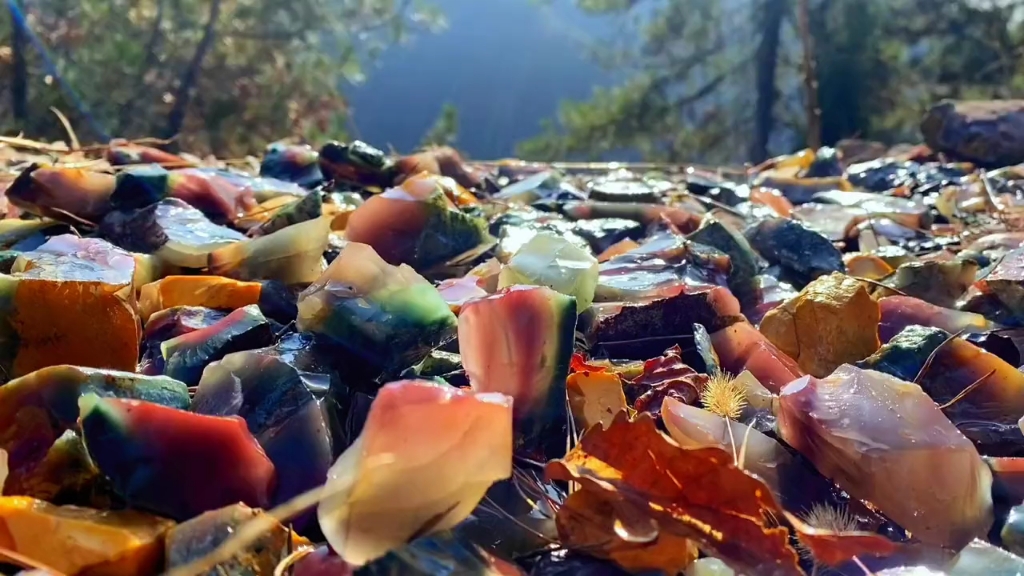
[837, 548]
[586, 523]
[696, 494]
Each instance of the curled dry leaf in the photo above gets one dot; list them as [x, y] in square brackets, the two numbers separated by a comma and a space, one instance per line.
[666, 376]
[586, 522]
[688, 493]
[834, 549]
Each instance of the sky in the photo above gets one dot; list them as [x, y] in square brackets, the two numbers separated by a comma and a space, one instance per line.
[505, 64]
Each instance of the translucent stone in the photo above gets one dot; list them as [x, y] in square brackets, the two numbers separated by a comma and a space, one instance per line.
[416, 224]
[387, 315]
[35, 410]
[425, 458]
[292, 255]
[176, 232]
[186, 356]
[741, 347]
[885, 441]
[77, 540]
[548, 260]
[168, 324]
[172, 462]
[285, 408]
[200, 536]
[528, 359]
[67, 194]
[207, 291]
[69, 302]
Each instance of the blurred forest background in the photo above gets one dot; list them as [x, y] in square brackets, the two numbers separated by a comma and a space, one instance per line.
[681, 80]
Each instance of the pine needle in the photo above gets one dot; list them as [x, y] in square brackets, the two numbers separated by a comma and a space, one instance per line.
[967, 390]
[72, 137]
[723, 396]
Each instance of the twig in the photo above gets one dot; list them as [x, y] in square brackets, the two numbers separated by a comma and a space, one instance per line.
[880, 285]
[931, 357]
[287, 562]
[967, 390]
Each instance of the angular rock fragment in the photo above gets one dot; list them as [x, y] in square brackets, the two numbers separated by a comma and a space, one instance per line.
[885, 441]
[602, 233]
[35, 410]
[69, 302]
[611, 190]
[528, 358]
[82, 540]
[357, 162]
[796, 484]
[741, 347]
[743, 260]
[415, 224]
[953, 367]
[172, 230]
[175, 463]
[206, 291]
[548, 260]
[909, 213]
[898, 312]
[938, 283]
[832, 321]
[186, 356]
[200, 536]
[425, 458]
[292, 255]
[120, 152]
[1006, 282]
[641, 331]
[65, 194]
[292, 163]
[795, 247]
[171, 323]
[216, 194]
[285, 408]
[388, 316]
[309, 207]
[981, 131]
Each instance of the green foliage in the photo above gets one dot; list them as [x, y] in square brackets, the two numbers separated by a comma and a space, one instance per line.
[272, 67]
[880, 64]
[445, 129]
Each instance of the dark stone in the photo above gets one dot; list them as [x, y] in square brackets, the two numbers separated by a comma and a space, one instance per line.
[986, 132]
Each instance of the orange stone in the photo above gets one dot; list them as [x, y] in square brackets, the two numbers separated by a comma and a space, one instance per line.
[209, 291]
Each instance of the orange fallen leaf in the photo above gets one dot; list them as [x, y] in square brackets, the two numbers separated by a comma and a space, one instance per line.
[837, 548]
[595, 397]
[697, 494]
[579, 364]
[586, 523]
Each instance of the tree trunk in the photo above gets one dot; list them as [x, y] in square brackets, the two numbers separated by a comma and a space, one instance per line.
[149, 60]
[19, 81]
[766, 62]
[183, 95]
[810, 76]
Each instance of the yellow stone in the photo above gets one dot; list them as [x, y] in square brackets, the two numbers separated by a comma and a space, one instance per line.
[833, 321]
[74, 540]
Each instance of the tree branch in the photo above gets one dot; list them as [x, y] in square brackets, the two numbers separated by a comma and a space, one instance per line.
[183, 96]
